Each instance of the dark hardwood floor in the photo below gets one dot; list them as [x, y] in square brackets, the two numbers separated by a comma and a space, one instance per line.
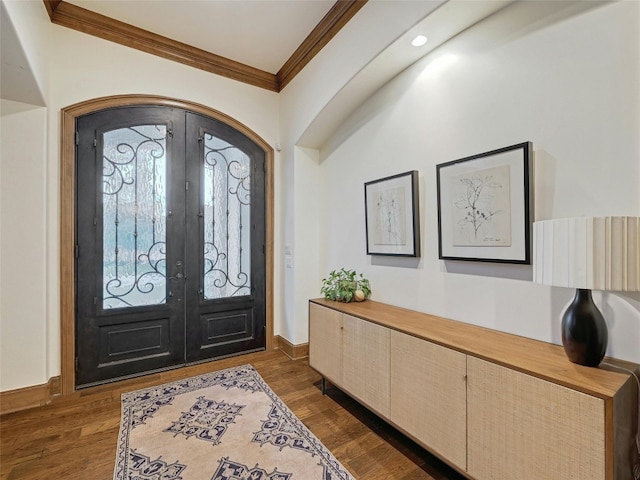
[75, 436]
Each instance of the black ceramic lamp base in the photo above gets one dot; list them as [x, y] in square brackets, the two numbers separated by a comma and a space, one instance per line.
[584, 331]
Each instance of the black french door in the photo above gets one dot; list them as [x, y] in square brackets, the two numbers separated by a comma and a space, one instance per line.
[170, 260]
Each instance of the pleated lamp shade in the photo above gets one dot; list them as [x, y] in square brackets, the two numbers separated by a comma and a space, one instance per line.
[593, 253]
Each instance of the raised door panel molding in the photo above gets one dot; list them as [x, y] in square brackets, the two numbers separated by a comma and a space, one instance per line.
[428, 395]
[325, 342]
[527, 428]
[366, 363]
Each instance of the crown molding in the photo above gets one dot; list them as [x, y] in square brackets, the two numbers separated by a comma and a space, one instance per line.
[85, 21]
[336, 18]
[51, 6]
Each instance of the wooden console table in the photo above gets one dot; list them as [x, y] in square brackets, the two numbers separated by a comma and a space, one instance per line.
[491, 404]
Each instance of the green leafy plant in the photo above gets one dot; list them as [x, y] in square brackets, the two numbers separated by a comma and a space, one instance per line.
[345, 286]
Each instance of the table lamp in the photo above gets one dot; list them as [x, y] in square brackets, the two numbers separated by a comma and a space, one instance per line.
[591, 253]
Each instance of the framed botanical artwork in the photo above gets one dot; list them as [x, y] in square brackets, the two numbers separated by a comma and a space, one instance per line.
[484, 206]
[392, 216]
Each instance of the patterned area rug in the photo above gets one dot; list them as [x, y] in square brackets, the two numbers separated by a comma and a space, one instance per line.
[225, 425]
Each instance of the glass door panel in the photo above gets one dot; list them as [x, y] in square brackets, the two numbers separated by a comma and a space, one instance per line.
[134, 207]
[227, 218]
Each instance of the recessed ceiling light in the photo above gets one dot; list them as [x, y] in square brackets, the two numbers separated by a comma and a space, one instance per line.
[419, 40]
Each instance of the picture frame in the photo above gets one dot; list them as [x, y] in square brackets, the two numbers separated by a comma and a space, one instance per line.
[392, 220]
[485, 208]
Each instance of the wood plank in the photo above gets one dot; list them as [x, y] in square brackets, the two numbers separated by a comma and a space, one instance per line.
[540, 359]
[75, 436]
[622, 452]
[292, 351]
[67, 250]
[29, 397]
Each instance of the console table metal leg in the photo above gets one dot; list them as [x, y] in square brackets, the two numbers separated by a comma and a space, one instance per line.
[324, 386]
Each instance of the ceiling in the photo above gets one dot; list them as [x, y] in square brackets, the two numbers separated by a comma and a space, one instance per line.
[265, 43]
[259, 33]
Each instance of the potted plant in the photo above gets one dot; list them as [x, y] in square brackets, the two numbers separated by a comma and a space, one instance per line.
[345, 286]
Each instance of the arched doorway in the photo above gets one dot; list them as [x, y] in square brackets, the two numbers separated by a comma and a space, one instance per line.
[183, 295]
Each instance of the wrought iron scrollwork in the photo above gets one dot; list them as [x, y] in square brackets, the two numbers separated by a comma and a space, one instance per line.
[227, 209]
[134, 204]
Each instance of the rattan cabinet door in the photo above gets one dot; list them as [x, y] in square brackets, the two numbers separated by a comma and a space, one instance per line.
[325, 342]
[428, 395]
[522, 427]
[366, 363]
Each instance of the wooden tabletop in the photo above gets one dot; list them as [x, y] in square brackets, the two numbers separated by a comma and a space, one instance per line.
[540, 359]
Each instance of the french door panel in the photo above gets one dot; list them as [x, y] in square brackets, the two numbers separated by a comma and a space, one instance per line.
[170, 260]
[129, 243]
[226, 294]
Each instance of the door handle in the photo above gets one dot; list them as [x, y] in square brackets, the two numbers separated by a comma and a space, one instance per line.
[178, 276]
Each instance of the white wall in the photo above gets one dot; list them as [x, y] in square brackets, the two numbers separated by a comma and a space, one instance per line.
[23, 257]
[374, 27]
[566, 80]
[81, 68]
[24, 290]
[25, 66]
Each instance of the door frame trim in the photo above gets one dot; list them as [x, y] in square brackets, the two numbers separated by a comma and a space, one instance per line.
[67, 213]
